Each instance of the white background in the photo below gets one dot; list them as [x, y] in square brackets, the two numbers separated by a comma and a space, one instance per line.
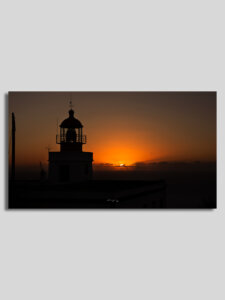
[100, 46]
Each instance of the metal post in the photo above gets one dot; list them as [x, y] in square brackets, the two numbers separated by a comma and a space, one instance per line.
[13, 145]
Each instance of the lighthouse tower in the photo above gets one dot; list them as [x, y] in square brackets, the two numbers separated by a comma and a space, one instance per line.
[71, 164]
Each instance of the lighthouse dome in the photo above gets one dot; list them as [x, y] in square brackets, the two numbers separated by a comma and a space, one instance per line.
[71, 122]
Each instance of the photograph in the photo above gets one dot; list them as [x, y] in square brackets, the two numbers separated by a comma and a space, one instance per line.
[117, 150]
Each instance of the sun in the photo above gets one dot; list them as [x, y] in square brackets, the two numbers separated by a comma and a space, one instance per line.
[122, 165]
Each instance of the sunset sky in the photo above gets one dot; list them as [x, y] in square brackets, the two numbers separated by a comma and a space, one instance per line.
[121, 127]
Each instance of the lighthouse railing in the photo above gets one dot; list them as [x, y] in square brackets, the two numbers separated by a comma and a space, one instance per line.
[77, 139]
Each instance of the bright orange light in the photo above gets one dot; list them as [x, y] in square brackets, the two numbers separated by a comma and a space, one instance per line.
[120, 153]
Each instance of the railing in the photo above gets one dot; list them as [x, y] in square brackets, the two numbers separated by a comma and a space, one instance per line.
[60, 139]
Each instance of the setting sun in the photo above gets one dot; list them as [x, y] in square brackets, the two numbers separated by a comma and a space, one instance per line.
[145, 128]
[118, 138]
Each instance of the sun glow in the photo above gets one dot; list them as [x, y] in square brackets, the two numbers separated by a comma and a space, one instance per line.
[120, 154]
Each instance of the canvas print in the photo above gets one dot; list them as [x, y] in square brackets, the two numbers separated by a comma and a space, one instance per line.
[111, 150]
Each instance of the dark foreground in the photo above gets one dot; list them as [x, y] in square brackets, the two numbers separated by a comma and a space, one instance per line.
[190, 187]
[93, 194]
[185, 187]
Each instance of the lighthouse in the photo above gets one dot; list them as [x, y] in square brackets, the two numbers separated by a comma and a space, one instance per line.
[71, 164]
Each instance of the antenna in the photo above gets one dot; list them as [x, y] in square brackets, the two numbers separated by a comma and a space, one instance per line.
[70, 102]
[57, 126]
[48, 148]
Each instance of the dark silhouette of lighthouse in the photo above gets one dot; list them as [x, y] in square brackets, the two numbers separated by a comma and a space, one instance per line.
[71, 164]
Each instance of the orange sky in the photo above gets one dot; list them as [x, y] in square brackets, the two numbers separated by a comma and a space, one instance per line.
[121, 127]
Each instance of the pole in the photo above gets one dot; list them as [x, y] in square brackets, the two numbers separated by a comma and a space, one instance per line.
[13, 145]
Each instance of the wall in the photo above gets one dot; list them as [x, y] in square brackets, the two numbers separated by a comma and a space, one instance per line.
[77, 164]
[117, 45]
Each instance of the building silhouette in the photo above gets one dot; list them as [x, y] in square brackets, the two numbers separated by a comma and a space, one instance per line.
[71, 164]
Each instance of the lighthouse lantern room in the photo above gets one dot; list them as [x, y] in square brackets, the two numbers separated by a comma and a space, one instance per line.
[71, 164]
